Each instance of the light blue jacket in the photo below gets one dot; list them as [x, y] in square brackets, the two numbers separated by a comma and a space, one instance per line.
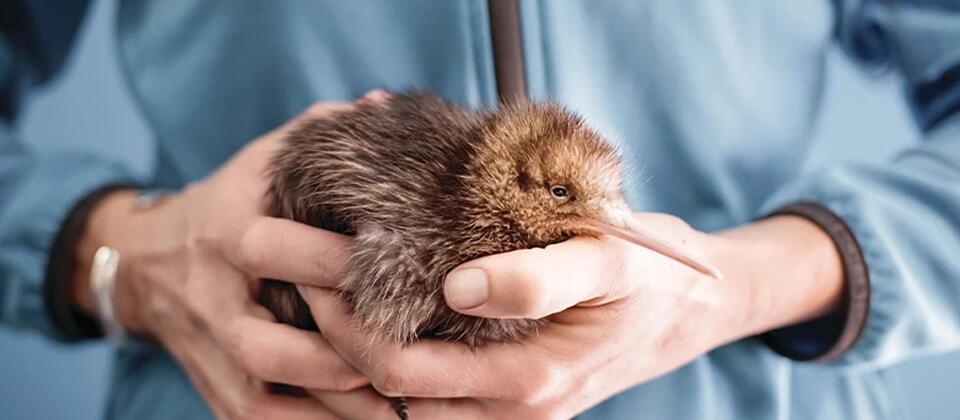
[713, 98]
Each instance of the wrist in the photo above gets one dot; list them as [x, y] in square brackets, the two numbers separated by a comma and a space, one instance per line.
[783, 270]
[72, 318]
[118, 222]
[93, 236]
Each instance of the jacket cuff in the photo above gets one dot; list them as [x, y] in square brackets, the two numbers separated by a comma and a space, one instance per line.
[70, 323]
[828, 338]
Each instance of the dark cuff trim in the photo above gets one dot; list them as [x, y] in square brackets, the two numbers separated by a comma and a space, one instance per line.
[72, 324]
[852, 317]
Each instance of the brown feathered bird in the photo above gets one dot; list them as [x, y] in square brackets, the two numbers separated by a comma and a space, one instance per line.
[425, 185]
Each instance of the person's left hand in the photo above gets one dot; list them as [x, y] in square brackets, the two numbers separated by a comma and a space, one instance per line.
[619, 315]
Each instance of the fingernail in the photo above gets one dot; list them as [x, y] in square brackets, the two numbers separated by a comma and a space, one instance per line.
[467, 288]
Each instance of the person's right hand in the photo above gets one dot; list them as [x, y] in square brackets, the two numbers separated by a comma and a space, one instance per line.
[189, 270]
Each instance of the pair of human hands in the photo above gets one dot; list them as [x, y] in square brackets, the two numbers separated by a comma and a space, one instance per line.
[618, 314]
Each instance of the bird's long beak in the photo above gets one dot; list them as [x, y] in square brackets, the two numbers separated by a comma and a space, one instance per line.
[621, 224]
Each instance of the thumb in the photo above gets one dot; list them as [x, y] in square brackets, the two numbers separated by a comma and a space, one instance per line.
[531, 283]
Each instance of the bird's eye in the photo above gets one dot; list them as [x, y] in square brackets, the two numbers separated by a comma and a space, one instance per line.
[560, 192]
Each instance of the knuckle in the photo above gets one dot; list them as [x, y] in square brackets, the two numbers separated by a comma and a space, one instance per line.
[390, 383]
[548, 412]
[248, 412]
[346, 380]
[193, 297]
[196, 244]
[251, 250]
[250, 409]
[531, 294]
[317, 109]
[200, 233]
[543, 384]
[376, 95]
[254, 358]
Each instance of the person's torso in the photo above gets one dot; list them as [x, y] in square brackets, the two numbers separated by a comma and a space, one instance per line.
[711, 102]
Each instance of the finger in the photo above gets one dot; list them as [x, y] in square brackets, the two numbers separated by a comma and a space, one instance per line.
[269, 406]
[274, 248]
[321, 109]
[207, 391]
[532, 283]
[444, 408]
[280, 353]
[215, 376]
[427, 368]
[361, 404]
[231, 394]
[377, 96]
[272, 141]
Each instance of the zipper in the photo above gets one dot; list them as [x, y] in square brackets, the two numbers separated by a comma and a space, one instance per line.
[507, 50]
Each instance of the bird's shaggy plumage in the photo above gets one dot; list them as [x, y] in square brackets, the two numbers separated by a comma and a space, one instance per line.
[426, 185]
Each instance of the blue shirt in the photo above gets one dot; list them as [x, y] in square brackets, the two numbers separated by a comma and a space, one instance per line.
[713, 98]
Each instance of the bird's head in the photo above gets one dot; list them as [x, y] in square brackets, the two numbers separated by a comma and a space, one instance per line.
[539, 170]
[549, 175]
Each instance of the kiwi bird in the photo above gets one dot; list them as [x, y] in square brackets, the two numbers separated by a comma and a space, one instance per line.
[425, 185]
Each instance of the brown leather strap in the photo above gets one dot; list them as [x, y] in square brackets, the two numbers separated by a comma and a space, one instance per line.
[507, 49]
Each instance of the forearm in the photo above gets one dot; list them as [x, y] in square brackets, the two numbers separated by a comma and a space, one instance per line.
[787, 269]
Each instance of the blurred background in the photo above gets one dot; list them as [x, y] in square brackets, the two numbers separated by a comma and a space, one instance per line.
[88, 106]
